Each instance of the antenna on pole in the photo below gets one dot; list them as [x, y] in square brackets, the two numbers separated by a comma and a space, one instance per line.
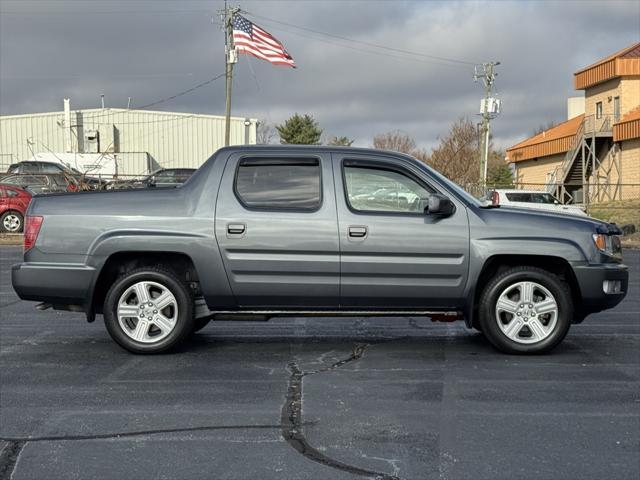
[231, 57]
[489, 109]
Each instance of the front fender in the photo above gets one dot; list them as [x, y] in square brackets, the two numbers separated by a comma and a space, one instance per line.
[483, 250]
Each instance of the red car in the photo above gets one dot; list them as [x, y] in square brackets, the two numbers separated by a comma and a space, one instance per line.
[13, 205]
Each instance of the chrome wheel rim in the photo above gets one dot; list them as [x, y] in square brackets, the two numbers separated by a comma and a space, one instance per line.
[11, 223]
[526, 312]
[147, 312]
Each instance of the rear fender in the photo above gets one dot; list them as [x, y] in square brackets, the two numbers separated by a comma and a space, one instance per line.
[200, 248]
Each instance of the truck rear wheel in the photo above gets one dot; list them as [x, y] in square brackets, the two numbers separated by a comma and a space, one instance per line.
[149, 310]
[526, 310]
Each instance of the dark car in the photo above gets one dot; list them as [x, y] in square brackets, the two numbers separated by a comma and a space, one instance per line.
[267, 231]
[13, 207]
[165, 177]
[38, 184]
[37, 167]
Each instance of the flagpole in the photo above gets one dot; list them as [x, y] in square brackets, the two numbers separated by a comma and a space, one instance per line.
[231, 58]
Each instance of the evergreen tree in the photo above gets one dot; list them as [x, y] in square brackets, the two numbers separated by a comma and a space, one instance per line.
[300, 130]
[341, 141]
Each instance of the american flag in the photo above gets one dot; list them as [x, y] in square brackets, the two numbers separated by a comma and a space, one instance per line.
[251, 39]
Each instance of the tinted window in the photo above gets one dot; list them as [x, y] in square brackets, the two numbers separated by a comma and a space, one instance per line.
[11, 193]
[542, 198]
[28, 167]
[167, 176]
[50, 168]
[377, 190]
[519, 197]
[289, 184]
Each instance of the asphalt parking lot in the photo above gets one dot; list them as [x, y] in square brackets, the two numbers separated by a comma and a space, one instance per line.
[317, 399]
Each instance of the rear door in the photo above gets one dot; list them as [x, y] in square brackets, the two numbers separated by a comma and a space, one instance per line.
[393, 256]
[277, 230]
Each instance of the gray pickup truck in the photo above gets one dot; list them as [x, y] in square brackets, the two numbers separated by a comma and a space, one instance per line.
[268, 231]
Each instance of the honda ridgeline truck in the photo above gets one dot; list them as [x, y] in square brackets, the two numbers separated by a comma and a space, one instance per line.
[267, 231]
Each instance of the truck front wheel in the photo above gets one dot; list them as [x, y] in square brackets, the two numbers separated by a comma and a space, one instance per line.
[149, 310]
[526, 310]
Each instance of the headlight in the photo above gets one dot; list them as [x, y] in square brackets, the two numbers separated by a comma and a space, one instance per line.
[609, 244]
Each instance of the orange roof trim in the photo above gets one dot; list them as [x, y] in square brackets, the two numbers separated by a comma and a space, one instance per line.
[622, 63]
[628, 127]
[550, 142]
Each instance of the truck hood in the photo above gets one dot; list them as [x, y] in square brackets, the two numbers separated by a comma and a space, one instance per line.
[545, 219]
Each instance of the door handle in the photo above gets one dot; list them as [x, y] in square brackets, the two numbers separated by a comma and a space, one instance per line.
[236, 228]
[357, 232]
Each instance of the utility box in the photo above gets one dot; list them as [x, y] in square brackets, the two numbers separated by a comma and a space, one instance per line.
[490, 105]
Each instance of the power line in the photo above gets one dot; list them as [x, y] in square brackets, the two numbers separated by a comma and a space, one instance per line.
[157, 102]
[362, 42]
[370, 52]
[195, 87]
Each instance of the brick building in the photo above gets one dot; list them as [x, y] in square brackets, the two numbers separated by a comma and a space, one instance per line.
[595, 155]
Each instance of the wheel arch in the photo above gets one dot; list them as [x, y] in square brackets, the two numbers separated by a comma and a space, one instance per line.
[495, 264]
[119, 263]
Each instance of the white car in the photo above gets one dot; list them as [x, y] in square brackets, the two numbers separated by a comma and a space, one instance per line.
[534, 199]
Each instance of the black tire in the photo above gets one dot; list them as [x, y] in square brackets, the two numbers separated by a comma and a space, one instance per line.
[200, 323]
[184, 319]
[490, 295]
[15, 214]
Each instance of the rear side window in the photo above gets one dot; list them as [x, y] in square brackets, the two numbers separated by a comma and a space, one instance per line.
[50, 168]
[28, 167]
[519, 197]
[279, 184]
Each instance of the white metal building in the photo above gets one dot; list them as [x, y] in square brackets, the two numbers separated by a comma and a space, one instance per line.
[140, 140]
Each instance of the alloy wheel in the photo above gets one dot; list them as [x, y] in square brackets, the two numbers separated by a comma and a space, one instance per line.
[147, 312]
[526, 312]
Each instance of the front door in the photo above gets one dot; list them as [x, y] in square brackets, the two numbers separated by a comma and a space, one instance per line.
[393, 255]
[277, 230]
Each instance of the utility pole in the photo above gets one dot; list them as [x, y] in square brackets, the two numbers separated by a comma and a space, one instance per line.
[489, 108]
[231, 57]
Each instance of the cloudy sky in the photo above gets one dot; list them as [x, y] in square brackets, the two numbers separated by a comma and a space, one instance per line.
[152, 49]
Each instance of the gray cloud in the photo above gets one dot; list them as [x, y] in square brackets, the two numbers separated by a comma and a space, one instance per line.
[153, 49]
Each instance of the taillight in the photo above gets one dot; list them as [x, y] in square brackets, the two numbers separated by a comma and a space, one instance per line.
[495, 198]
[32, 226]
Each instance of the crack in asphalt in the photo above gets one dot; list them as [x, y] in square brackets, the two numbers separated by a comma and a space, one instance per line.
[9, 457]
[293, 426]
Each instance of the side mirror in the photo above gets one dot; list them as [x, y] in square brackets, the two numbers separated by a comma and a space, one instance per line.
[440, 206]
[151, 182]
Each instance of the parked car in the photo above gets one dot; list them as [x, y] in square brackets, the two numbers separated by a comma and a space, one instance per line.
[165, 177]
[39, 184]
[13, 206]
[36, 167]
[266, 231]
[533, 199]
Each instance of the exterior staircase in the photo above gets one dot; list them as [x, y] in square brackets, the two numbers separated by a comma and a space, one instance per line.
[570, 182]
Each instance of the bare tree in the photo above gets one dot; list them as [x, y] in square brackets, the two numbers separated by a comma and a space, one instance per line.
[340, 141]
[265, 133]
[543, 127]
[457, 155]
[395, 140]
